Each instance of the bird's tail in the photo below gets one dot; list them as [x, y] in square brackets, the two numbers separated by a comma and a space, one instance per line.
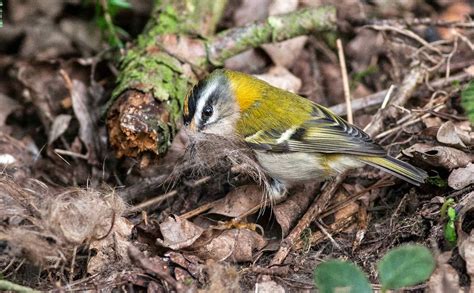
[397, 168]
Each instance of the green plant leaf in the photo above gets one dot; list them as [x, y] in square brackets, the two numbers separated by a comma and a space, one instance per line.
[467, 99]
[334, 274]
[450, 233]
[404, 266]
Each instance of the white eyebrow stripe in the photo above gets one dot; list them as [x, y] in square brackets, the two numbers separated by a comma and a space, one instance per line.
[206, 94]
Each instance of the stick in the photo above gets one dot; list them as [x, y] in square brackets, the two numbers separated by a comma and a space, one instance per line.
[9, 286]
[151, 202]
[345, 81]
[274, 29]
[314, 210]
[141, 260]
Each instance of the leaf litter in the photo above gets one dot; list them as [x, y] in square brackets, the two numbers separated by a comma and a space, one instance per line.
[62, 218]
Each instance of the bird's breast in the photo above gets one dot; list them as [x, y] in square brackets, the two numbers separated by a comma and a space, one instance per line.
[300, 167]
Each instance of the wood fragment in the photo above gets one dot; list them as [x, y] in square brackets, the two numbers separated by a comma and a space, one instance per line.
[144, 262]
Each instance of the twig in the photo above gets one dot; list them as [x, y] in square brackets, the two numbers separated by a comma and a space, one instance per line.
[387, 96]
[328, 235]
[9, 286]
[404, 93]
[345, 81]
[141, 260]
[421, 21]
[406, 33]
[313, 211]
[274, 29]
[142, 189]
[151, 202]
[360, 103]
[71, 154]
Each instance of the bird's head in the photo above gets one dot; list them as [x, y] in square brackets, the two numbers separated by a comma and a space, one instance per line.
[217, 102]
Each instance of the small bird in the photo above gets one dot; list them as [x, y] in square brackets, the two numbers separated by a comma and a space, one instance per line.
[293, 139]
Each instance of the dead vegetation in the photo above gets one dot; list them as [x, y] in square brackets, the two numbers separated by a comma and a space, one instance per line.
[77, 214]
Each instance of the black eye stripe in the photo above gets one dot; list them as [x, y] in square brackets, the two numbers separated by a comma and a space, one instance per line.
[192, 101]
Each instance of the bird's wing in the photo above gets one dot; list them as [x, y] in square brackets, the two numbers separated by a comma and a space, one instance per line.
[324, 132]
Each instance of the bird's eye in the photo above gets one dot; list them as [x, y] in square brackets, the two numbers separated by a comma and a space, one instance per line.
[207, 111]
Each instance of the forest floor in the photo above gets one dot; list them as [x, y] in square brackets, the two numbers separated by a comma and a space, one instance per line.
[74, 216]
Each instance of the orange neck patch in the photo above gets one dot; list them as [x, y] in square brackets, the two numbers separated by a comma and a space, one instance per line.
[247, 89]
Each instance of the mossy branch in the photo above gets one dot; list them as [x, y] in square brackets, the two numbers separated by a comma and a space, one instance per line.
[274, 29]
[9, 286]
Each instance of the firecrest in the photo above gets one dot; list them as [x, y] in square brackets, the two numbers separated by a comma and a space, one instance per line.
[293, 139]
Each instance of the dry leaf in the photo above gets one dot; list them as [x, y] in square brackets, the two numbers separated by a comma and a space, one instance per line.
[239, 201]
[279, 52]
[466, 250]
[280, 77]
[250, 10]
[289, 212]
[456, 11]
[461, 177]
[58, 127]
[235, 245]
[439, 156]
[178, 233]
[8, 105]
[432, 121]
[250, 61]
[444, 279]
[111, 250]
[269, 287]
[85, 114]
[470, 70]
[450, 135]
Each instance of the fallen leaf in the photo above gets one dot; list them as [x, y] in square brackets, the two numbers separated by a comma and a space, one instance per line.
[250, 61]
[111, 248]
[269, 287]
[470, 70]
[289, 212]
[450, 135]
[279, 52]
[235, 245]
[456, 11]
[8, 105]
[280, 77]
[439, 156]
[239, 201]
[466, 250]
[178, 233]
[250, 10]
[59, 126]
[461, 177]
[444, 279]
[432, 121]
[183, 47]
[85, 114]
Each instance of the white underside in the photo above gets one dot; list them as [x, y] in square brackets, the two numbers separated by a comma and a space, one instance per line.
[292, 168]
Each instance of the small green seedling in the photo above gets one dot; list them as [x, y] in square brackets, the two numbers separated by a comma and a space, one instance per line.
[404, 266]
[437, 181]
[449, 214]
[105, 11]
[467, 100]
